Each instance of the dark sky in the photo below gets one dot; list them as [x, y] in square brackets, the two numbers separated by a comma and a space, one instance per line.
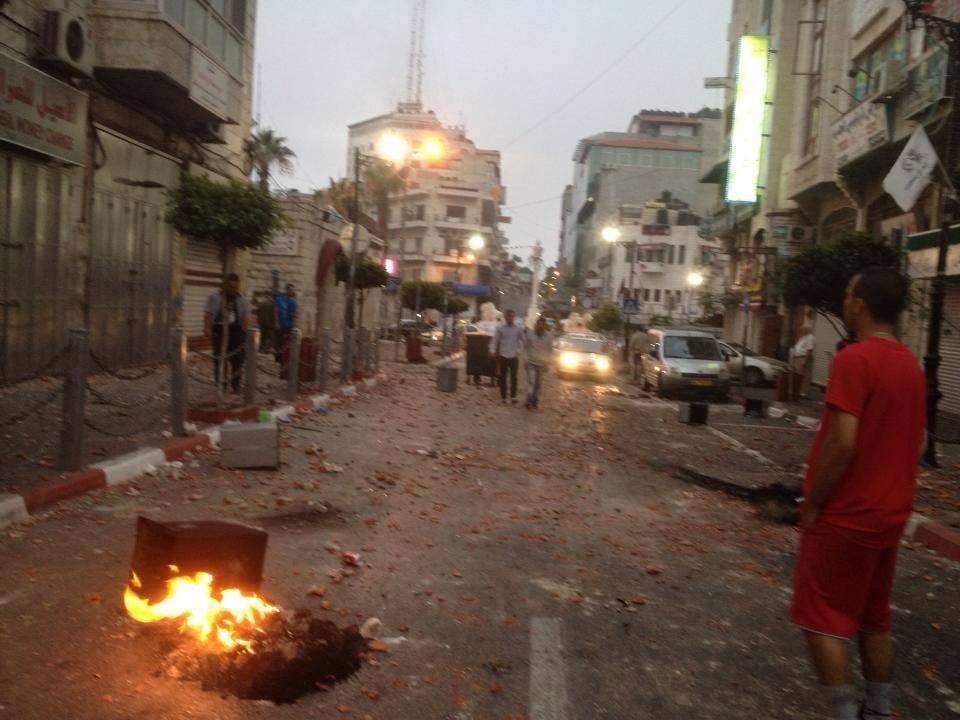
[506, 69]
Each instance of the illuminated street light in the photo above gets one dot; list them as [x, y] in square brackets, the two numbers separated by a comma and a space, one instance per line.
[432, 148]
[476, 242]
[610, 234]
[393, 148]
[694, 279]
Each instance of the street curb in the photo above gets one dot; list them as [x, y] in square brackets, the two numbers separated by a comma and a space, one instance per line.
[449, 359]
[124, 468]
[941, 540]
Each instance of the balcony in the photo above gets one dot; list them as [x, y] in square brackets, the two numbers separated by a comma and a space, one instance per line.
[460, 192]
[467, 224]
[650, 267]
[410, 224]
[148, 57]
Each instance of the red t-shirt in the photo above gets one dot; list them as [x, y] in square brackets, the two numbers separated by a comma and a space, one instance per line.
[880, 382]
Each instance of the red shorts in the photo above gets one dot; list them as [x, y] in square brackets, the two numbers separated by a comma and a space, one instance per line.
[841, 587]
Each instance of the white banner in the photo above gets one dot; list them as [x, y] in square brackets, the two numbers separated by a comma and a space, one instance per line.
[910, 175]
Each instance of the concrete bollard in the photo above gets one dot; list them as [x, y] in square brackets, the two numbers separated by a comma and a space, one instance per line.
[250, 366]
[179, 400]
[293, 364]
[74, 400]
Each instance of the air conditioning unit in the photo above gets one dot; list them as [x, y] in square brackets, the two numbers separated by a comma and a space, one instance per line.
[66, 42]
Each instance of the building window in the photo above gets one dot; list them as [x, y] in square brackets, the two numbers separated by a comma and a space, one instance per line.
[174, 9]
[419, 245]
[419, 212]
[656, 295]
[646, 294]
[814, 83]
[682, 254]
[670, 255]
[196, 21]
[456, 211]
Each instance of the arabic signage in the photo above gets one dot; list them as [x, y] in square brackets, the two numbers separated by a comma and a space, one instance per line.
[41, 113]
[926, 82]
[863, 12]
[859, 131]
[282, 243]
[209, 84]
[909, 177]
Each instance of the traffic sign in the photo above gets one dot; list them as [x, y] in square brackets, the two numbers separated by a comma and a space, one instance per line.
[630, 306]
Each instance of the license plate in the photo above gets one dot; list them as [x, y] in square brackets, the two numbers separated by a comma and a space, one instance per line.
[702, 383]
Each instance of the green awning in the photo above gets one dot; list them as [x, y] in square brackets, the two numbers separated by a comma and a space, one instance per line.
[931, 238]
[717, 174]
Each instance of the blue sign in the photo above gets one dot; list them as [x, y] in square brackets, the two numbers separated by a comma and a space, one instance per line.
[630, 306]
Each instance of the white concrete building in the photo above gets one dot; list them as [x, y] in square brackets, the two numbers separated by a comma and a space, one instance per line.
[454, 191]
[669, 250]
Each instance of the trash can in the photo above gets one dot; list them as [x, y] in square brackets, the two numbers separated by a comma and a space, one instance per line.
[447, 379]
[478, 356]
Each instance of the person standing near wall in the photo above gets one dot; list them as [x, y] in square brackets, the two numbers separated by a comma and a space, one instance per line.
[802, 358]
[285, 318]
[225, 321]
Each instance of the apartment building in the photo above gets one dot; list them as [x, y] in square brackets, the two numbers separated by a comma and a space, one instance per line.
[663, 263]
[454, 192]
[661, 150]
[84, 166]
[759, 225]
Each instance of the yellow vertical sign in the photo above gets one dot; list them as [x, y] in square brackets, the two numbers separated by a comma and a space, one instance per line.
[749, 112]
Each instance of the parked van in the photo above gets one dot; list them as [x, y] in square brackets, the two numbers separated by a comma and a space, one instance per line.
[685, 363]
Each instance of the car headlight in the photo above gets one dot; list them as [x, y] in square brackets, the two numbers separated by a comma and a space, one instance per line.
[601, 363]
[569, 360]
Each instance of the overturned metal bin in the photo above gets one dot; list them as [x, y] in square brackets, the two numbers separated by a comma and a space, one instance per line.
[447, 378]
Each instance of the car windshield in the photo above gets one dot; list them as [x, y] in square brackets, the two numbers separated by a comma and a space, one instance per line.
[581, 344]
[690, 348]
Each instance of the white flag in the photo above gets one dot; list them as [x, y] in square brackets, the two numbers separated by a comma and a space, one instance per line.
[910, 175]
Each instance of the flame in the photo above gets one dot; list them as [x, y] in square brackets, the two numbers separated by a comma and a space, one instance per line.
[227, 619]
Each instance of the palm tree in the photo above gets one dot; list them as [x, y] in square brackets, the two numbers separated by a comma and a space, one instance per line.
[340, 196]
[381, 180]
[266, 149]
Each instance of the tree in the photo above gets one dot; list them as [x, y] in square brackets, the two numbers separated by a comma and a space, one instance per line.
[233, 214]
[430, 296]
[606, 319]
[367, 275]
[456, 305]
[819, 274]
[265, 149]
[341, 197]
[381, 180]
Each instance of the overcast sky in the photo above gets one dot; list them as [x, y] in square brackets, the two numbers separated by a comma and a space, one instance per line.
[507, 69]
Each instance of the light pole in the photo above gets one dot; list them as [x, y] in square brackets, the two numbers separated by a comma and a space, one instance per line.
[612, 235]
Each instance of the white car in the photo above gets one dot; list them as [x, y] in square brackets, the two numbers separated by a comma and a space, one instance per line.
[760, 370]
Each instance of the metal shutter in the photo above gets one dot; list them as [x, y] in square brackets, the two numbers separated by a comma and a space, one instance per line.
[950, 353]
[203, 273]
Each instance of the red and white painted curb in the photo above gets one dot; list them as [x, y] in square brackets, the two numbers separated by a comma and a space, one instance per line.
[938, 538]
[123, 469]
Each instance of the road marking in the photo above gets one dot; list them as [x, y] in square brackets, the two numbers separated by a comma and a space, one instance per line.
[548, 681]
[741, 447]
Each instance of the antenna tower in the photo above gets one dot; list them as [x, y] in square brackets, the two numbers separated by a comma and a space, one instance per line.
[415, 59]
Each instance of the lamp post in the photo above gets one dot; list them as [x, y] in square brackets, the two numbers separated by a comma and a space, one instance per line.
[612, 235]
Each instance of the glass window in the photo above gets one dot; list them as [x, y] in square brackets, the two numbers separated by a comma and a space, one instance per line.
[238, 15]
[670, 255]
[690, 348]
[656, 295]
[646, 294]
[682, 254]
[196, 20]
[220, 6]
[233, 57]
[216, 37]
[174, 9]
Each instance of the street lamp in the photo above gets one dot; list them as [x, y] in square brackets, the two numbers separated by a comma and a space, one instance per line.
[610, 234]
[476, 242]
[695, 279]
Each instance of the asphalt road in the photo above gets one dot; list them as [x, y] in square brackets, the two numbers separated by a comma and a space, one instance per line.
[551, 565]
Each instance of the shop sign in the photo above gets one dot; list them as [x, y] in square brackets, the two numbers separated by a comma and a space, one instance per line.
[863, 12]
[282, 243]
[209, 84]
[860, 131]
[926, 82]
[41, 113]
[749, 118]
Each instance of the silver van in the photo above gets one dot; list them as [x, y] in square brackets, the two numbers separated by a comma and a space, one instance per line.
[685, 363]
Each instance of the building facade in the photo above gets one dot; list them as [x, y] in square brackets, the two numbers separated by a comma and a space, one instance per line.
[84, 166]
[454, 191]
[661, 151]
[759, 232]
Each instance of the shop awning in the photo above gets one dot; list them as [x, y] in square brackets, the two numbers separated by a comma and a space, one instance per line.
[931, 238]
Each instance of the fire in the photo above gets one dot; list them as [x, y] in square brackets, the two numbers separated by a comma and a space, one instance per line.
[228, 619]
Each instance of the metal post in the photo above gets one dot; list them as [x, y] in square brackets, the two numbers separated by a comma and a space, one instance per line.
[346, 359]
[74, 399]
[250, 366]
[376, 353]
[323, 363]
[293, 364]
[178, 382]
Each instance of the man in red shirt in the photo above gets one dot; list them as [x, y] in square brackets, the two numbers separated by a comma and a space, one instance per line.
[858, 494]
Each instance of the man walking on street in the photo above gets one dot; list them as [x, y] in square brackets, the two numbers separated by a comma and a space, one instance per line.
[803, 358]
[858, 495]
[285, 318]
[505, 349]
[227, 310]
[537, 349]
